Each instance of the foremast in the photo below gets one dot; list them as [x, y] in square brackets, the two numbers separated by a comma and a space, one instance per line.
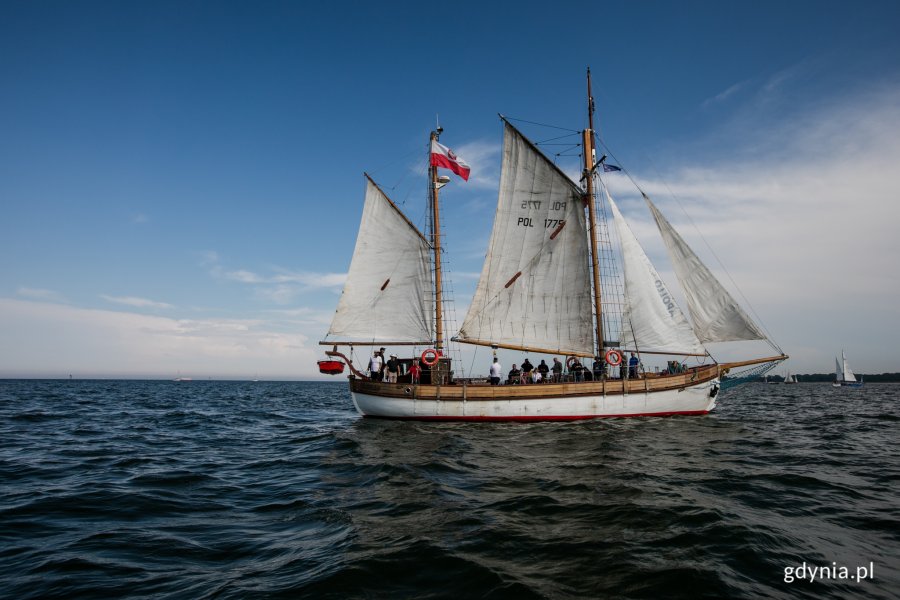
[436, 248]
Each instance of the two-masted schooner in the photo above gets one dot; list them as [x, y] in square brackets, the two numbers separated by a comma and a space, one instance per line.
[540, 291]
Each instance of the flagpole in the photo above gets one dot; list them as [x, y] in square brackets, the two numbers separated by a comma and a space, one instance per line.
[436, 245]
[588, 137]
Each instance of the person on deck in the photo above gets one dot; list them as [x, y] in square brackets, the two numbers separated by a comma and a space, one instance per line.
[577, 369]
[496, 371]
[599, 368]
[543, 369]
[527, 368]
[633, 366]
[375, 365]
[514, 376]
[392, 368]
[557, 370]
[415, 371]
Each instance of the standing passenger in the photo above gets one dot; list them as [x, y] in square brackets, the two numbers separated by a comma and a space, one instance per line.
[633, 366]
[527, 367]
[392, 368]
[496, 371]
[557, 370]
[375, 365]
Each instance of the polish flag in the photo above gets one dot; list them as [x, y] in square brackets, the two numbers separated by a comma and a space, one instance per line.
[442, 156]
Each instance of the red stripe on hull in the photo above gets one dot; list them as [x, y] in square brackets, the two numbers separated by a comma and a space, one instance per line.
[537, 418]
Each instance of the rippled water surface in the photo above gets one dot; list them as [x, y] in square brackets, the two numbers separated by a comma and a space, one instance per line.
[158, 489]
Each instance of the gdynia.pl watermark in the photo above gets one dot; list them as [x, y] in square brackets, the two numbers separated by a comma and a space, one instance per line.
[809, 573]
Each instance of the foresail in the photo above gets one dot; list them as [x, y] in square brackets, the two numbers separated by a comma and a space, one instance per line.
[715, 314]
[652, 321]
[534, 290]
[387, 295]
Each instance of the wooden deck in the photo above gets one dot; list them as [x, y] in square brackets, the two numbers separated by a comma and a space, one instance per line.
[463, 391]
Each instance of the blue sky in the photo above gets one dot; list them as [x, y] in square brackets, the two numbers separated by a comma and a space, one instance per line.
[181, 182]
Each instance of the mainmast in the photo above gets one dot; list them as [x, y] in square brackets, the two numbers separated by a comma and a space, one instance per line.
[590, 156]
[436, 245]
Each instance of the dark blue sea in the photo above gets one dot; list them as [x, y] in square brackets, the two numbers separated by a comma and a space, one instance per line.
[157, 489]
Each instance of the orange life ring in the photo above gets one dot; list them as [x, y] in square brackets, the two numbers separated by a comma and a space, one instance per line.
[569, 361]
[613, 358]
[430, 357]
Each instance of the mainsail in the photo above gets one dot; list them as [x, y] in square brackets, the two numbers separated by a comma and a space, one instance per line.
[387, 295]
[847, 371]
[715, 314]
[535, 288]
[652, 320]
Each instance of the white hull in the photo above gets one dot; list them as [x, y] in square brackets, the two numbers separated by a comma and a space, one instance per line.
[690, 400]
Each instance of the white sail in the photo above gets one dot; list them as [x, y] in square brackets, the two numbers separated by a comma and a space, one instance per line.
[535, 286]
[848, 372]
[838, 371]
[387, 295]
[652, 319]
[717, 317]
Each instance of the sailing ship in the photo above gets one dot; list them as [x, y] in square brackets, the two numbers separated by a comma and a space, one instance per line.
[790, 378]
[540, 291]
[843, 374]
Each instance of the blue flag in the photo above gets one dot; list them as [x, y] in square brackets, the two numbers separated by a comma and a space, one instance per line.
[610, 168]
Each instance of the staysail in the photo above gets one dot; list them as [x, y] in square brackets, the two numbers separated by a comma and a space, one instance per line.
[535, 288]
[387, 295]
[652, 320]
[715, 314]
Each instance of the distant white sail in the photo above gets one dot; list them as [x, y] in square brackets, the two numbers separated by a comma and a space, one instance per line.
[838, 370]
[387, 295]
[652, 319]
[715, 314]
[848, 372]
[535, 286]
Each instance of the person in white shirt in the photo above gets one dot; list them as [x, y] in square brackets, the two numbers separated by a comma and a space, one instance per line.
[496, 372]
[375, 364]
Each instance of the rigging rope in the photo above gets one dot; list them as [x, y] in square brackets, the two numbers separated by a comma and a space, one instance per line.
[729, 381]
[540, 124]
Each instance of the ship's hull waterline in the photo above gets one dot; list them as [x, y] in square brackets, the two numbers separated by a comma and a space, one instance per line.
[687, 394]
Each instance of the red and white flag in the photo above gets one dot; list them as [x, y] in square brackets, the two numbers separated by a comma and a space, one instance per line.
[442, 156]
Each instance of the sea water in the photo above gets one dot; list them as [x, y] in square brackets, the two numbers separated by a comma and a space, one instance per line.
[158, 489]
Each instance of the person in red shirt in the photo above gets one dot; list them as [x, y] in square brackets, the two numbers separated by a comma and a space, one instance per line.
[415, 371]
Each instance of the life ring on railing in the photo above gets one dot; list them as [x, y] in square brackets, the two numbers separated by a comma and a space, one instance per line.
[613, 358]
[570, 361]
[430, 357]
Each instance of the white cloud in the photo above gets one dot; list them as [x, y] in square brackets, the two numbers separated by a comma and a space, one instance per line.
[306, 279]
[483, 158]
[208, 258]
[40, 294]
[53, 340]
[724, 94]
[135, 302]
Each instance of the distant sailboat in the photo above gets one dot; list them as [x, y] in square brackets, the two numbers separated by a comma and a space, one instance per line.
[790, 378]
[843, 374]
